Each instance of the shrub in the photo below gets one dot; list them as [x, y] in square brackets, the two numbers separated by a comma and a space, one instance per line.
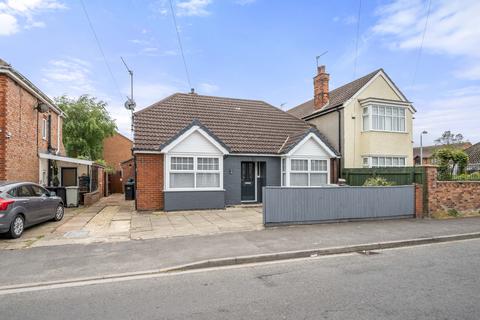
[468, 177]
[377, 181]
[453, 212]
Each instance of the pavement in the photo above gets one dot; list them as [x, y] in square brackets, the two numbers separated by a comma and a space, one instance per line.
[65, 262]
[437, 281]
[112, 219]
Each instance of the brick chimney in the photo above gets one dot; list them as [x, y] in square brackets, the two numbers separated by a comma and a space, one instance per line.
[320, 88]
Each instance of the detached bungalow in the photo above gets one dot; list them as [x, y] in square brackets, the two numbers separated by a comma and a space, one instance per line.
[202, 152]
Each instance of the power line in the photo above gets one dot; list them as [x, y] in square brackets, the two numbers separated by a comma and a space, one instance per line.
[356, 41]
[100, 48]
[180, 44]
[417, 63]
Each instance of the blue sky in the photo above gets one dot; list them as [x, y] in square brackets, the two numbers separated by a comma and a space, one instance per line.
[258, 49]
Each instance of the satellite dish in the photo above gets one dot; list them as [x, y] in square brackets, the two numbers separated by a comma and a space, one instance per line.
[42, 107]
[130, 104]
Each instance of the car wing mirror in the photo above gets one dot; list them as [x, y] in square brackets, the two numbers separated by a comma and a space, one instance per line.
[51, 194]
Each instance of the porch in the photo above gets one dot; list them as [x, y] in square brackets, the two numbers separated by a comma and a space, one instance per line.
[77, 181]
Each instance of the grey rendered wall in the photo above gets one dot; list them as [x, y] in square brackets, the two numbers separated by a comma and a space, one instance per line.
[308, 205]
[232, 179]
[192, 200]
[328, 125]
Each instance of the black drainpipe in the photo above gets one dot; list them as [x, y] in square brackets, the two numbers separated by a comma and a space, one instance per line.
[49, 134]
[340, 143]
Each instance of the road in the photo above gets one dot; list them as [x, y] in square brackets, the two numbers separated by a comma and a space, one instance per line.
[439, 281]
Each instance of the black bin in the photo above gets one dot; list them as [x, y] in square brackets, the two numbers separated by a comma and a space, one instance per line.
[130, 190]
[60, 192]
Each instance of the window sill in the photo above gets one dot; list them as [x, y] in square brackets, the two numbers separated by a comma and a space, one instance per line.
[384, 131]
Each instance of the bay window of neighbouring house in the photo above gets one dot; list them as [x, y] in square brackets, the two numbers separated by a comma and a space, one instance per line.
[384, 118]
[304, 172]
[194, 172]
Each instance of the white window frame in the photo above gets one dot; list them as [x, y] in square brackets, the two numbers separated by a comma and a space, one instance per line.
[371, 161]
[288, 170]
[168, 170]
[44, 128]
[369, 114]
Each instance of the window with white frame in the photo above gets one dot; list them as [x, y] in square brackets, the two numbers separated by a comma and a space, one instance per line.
[44, 129]
[384, 118]
[308, 172]
[376, 162]
[284, 170]
[194, 172]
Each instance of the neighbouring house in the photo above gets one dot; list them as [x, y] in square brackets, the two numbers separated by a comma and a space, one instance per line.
[116, 149]
[128, 169]
[428, 152]
[197, 152]
[473, 153]
[31, 146]
[369, 120]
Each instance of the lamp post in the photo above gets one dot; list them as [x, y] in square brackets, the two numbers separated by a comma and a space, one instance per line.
[421, 146]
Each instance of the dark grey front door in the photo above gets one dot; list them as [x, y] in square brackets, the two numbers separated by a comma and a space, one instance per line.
[248, 181]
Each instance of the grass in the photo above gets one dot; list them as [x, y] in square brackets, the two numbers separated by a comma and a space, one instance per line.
[453, 213]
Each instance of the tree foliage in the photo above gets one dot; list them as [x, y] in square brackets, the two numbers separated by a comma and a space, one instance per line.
[449, 138]
[448, 159]
[86, 125]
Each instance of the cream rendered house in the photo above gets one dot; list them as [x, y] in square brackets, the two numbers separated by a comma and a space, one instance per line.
[369, 120]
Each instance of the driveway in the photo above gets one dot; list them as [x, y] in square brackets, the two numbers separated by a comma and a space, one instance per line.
[113, 219]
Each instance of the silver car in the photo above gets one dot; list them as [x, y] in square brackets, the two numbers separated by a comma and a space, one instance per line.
[24, 204]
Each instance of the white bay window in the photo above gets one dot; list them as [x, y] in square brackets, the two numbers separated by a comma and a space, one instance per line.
[384, 118]
[194, 172]
[380, 162]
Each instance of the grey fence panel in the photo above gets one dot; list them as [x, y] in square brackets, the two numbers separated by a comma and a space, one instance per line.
[308, 205]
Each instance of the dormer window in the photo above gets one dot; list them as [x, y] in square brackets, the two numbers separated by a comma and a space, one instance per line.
[383, 118]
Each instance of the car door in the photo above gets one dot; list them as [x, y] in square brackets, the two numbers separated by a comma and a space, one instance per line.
[24, 197]
[44, 203]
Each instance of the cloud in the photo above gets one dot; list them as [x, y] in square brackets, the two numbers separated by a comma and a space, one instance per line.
[193, 8]
[457, 110]
[208, 88]
[68, 76]
[13, 11]
[452, 29]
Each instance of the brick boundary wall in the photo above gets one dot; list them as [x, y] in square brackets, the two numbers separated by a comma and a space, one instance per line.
[149, 182]
[3, 119]
[444, 195]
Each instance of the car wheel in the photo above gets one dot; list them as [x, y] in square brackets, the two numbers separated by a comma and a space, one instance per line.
[59, 212]
[16, 227]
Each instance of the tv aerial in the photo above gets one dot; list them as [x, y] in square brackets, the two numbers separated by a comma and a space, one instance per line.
[130, 103]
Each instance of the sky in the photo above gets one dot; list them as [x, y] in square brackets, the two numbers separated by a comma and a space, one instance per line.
[252, 49]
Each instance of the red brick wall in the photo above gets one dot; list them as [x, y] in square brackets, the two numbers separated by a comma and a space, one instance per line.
[3, 104]
[149, 183]
[23, 123]
[117, 149]
[418, 200]
[444, 195]
[128, 170]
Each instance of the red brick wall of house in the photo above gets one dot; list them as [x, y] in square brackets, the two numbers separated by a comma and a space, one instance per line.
[3, 118]
[23, 123]
[128, 170]
[149, 182]
[117, 149]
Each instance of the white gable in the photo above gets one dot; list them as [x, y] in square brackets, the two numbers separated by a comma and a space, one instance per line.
[196, 143]
[310, 148]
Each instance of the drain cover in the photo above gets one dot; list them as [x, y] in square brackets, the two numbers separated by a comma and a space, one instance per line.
[367, 252]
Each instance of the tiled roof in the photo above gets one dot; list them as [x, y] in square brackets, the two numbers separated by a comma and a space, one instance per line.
[337, 97]
[429, 150]
[244, 126]
[473, 153]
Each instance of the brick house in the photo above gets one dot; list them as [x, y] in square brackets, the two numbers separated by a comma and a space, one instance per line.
[473, 153]
[116, 150]
[31, 146]
[202, 152]
[428, 151]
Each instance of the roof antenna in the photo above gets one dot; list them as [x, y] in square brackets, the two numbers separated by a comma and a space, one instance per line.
[318, 57]
[282, 105]
[130, 103]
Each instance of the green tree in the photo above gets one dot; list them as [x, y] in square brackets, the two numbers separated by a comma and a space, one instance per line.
[449, 158]
[86, 125]
[449, 138]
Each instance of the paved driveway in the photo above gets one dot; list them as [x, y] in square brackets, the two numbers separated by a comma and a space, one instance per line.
[114, 219]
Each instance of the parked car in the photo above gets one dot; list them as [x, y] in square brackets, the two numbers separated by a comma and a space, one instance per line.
[24, 204]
